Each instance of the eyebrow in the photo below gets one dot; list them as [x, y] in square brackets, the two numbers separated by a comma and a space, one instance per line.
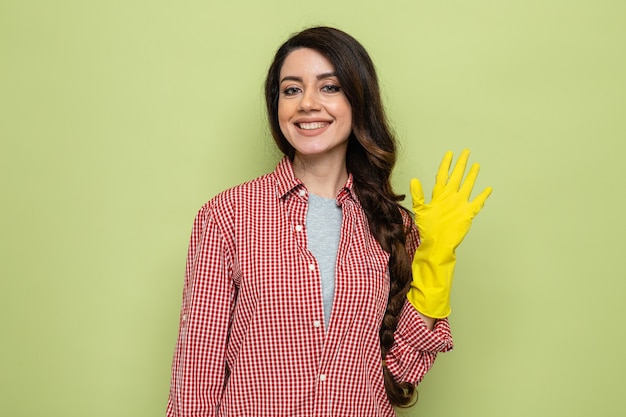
[299, 79]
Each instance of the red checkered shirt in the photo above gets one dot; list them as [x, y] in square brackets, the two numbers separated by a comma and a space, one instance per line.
[252, 340]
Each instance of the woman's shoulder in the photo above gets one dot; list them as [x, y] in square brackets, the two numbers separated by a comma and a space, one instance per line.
[244, 193]
[235, 202]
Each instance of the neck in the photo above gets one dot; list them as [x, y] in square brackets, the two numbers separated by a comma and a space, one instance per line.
[322, 178]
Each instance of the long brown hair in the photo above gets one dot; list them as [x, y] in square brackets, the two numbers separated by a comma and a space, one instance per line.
[370, 158]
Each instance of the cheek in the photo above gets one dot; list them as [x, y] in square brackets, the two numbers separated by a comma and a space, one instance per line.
[283, 119]
[349, 117]
[283, 112]
[344, 114]
[342, 110]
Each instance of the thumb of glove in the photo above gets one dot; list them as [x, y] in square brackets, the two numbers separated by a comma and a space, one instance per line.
[417, 194]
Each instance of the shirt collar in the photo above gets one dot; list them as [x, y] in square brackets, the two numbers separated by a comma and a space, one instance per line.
[287, 182]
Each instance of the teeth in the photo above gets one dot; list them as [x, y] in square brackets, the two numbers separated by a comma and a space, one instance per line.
[311, 126]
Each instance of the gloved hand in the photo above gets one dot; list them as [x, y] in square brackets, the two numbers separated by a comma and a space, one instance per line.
[442, 225]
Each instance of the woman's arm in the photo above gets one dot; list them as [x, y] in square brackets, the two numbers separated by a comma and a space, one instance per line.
[416, 345]
[198, 368]
[428, 321]
[418, 338]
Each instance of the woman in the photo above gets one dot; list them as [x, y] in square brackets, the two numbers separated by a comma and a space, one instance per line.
[300, 295]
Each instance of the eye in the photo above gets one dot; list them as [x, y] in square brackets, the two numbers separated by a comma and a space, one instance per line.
[290, 91]
[331, 88]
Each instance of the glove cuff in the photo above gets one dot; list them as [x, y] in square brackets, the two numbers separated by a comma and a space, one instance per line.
[433, 271]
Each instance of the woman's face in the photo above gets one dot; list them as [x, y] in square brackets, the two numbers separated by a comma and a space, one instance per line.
[313, 112]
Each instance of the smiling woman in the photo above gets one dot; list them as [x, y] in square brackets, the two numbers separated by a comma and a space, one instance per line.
[316, 118]
[306, 292]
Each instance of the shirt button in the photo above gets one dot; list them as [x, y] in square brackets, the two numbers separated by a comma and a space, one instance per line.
[322, 377]
[302, 193]
[312, 267]
[317, 323]
[184, 317]
[298, 228]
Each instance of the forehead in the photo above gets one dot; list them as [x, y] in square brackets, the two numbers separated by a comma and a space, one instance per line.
[304, 61]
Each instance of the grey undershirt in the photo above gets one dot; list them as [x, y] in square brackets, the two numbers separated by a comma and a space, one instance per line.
[323, 224]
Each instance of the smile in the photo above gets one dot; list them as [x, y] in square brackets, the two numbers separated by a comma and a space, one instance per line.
[312, 125]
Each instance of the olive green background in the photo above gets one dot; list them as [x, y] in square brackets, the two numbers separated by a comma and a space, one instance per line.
[119, 119]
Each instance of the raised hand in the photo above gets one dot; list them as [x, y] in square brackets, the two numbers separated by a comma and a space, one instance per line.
[442, 225]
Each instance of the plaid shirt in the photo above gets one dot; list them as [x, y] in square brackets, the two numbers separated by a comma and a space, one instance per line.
[252, 340]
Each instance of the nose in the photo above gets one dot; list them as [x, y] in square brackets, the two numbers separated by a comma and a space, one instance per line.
[309, 101]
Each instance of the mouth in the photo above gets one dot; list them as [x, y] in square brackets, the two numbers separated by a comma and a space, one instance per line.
[312, 125]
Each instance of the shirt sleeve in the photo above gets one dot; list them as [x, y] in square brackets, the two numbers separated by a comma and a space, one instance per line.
[199, 366]
[415, 346]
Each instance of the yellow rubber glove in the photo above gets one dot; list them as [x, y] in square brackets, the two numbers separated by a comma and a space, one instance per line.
[442, 225]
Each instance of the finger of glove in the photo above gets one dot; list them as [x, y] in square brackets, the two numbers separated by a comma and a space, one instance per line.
[459, 169]
[442, 173]
[477, 204]
[470, 180]
[417, 194]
